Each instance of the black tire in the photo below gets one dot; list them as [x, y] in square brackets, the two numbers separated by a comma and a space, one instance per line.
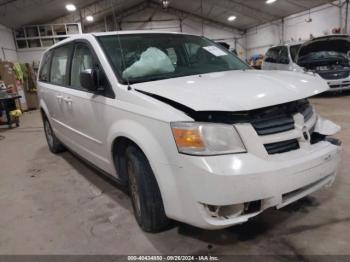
[54, 144]
[145, 194]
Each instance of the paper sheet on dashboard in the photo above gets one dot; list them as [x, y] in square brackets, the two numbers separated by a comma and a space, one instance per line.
[214, 50]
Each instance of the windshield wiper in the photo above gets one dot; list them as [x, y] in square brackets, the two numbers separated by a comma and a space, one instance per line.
[154, 78]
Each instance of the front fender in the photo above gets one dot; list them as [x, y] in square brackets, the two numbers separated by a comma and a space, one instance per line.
[44, 108]
[155, 139]
[146, 139]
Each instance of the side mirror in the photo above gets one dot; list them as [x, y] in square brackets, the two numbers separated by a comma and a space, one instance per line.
[89, 79]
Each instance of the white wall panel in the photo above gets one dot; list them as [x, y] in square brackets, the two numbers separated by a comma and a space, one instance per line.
[155, 19]
[324, 19]
[30, 56]
[7, 45]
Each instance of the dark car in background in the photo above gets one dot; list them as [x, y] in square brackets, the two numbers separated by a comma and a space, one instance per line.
[328, 56]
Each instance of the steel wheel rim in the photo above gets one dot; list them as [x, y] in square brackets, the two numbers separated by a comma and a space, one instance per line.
[48, 133]
[134, 189]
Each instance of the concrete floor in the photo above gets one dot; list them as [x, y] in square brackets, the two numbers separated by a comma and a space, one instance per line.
[56, 204]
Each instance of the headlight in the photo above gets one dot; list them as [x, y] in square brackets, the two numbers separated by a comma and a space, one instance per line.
[195, 138]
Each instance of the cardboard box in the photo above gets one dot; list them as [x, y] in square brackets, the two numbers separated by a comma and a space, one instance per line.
[2, 86]
[22, 100]
[3, 118]
[31, 100]
[7, 74]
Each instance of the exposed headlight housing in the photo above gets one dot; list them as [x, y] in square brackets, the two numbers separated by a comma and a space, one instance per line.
[206, 139]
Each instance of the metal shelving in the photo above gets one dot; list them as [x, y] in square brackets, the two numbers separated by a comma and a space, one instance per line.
[41, 36]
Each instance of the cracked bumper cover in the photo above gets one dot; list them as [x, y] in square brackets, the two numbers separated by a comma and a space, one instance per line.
[242, 178]
[220, 182]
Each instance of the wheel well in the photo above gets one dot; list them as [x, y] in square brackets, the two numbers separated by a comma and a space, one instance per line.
[119, 147]
[43, 114]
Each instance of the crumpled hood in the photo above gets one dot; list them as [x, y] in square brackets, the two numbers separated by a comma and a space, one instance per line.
[236, 90]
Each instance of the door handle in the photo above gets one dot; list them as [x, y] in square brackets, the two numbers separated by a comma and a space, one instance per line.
[68, 100]
[59, 98]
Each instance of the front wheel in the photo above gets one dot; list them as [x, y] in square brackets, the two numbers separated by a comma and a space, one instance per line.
[145, 194]
[54, 144]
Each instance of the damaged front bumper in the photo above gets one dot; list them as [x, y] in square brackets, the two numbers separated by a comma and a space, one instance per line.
[243, 180]
[221, 191]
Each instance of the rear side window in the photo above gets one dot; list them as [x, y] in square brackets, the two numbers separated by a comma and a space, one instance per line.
[283, 57]
[277, 55]
[59, 72]
[271, 55]
[45, 68]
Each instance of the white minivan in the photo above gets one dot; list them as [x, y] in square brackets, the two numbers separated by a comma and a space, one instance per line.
[194, 132]
[282, 57]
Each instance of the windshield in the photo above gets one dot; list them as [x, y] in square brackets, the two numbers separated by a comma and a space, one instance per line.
[148, 57]
[325, 50]
[322, 55]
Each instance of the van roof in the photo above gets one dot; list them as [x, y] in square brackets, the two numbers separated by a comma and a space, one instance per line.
[128, 32]
[288, 44]
[88, 36]
[326, 37]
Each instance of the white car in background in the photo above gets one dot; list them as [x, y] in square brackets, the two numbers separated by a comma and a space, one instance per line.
[282, 57]
[326, 56]
[195, 134]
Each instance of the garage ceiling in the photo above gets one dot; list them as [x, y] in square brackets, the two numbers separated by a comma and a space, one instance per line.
[15, 13]
[249, 13]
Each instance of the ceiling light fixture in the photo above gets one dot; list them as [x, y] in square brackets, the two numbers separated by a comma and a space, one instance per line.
[231, 18]
[71, 7]
[89, 18]
[165, 3]
[270, 1]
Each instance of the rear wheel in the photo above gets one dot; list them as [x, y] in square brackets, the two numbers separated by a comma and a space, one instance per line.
[54, 144]
[145, 194]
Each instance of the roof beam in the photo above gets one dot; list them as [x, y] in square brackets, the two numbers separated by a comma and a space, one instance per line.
[297, 4]
[131, 10]
[22, 4]
[243, 11]
[105, 8]
[122, 13]
[182, 14]
[7, 2]
[254, 11]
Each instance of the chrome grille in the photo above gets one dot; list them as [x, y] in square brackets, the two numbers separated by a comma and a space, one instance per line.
[343, 84]
[273, 126]
[280, 119]
[334, 75]
[265, 121]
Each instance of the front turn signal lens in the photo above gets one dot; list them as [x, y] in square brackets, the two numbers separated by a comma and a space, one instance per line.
[206, 139]
[188, 138]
